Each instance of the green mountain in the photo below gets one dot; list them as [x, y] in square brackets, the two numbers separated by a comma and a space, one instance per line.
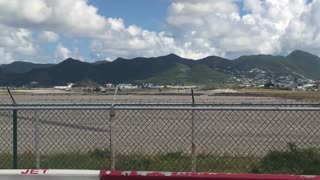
[21, 67]
[304, 63]
[211, 71]
[264, 62]
[182, 74]
[216, 62]
[272, 65]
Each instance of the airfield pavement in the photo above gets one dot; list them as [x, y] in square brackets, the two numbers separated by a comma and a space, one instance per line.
[58, 96]
[155, 131]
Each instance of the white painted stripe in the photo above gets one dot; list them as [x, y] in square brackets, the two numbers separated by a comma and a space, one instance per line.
[49, 174]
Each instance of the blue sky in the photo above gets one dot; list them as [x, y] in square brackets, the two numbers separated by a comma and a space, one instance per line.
[91, 30]
[149, 14]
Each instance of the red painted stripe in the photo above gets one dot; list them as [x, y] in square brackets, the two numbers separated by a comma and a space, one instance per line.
[142, 175]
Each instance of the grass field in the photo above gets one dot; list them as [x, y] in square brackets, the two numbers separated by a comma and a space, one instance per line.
[140, 97]
[167, 96]
[160, 162]
[291, 161]
[304, 96]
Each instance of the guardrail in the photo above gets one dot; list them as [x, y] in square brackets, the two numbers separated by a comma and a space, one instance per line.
[50, 174]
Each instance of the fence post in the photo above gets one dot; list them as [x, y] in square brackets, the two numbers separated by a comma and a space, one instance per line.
[37, 140]
[112, 114]
[15, 140]
[112, 149]
[14, 132]
[193, 136]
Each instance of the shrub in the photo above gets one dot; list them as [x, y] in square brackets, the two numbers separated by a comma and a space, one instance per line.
[100, 153]
[172, 156]
[292, 161]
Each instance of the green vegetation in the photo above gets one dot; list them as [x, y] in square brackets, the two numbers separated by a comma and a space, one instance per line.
[183, 74]
[291, 161]
[176, 74]
[100, 159]
[198, 72]
[226, 163]
[304, 63]
[263, 62]
[22, 67]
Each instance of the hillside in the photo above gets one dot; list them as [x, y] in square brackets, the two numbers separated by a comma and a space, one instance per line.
[211, 71]
[304, 63]
[21, 67]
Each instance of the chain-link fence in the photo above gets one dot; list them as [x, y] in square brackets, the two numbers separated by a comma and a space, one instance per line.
[237, 138]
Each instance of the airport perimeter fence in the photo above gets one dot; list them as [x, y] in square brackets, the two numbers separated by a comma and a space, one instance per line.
[203, 138]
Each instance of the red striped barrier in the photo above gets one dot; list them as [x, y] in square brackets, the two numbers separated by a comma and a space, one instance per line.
[52, 174]
[143, 175]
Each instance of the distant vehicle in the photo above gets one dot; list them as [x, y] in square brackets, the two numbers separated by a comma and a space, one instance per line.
[67, 88]
[96, 89]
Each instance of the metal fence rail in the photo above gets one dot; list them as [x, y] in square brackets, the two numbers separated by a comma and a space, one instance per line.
[236, 138]
[165, 105]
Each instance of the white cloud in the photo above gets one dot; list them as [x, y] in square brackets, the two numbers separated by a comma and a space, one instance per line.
[268, 26]
[303, 32]
[76, 18]
[15, 12]
[5, 56]
[17, 40]
[132, 42]
[61, 53]
[48, 36]
[220, 30]
[69, 16]
[16, 44]
[194, 29]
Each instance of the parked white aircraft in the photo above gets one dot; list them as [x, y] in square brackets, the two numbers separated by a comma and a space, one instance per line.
[181, 87]
[67, 88]
[127, 86]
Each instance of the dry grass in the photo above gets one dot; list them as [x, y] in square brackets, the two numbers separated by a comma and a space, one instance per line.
[306, 96]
